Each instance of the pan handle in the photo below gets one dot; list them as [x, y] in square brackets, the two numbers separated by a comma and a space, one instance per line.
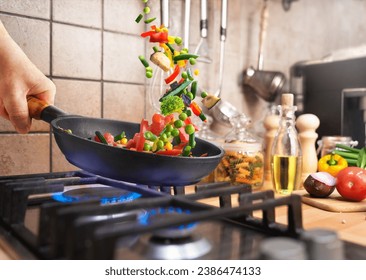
[41, 110]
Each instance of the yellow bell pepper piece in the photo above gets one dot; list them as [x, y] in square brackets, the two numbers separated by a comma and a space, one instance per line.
[332, 163]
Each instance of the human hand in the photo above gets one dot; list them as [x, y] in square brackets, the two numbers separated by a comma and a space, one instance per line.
[19, 78]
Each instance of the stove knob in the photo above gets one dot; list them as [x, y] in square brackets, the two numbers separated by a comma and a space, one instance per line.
[282, 248]
[323, 244]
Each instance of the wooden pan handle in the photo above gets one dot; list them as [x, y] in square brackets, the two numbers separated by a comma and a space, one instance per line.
[41, 110]
[36, 107]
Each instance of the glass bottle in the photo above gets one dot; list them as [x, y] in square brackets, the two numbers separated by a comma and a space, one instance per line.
[243, 162]
[286, 155]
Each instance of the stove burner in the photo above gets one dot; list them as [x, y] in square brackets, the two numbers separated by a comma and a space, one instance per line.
[167, 213]
[104, 194]
[184, 248]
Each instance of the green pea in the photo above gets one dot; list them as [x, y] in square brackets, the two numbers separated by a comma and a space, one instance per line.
[183, 116]
[147, 147]
[178, 40]
[189, 129]
[163, 137]
[186, 150]
[184, 75]
[160, 144]
[204, 94]
[192, 61]
[149, 69]
[175, 132]
[169, 128]
[178, 123]
[149, 74]
[147, 10]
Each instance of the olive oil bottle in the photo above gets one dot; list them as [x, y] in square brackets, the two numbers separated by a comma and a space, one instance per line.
[286, 155]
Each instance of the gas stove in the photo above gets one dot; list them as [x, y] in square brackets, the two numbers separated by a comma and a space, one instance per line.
[78, 215]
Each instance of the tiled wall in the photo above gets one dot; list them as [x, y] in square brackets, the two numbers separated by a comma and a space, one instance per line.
[89, 48]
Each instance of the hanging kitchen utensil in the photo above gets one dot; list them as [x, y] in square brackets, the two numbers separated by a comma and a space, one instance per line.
[158, 86]
[224, 110]
[265, 84]
[202, 47]
[187, 18]
[119, 163]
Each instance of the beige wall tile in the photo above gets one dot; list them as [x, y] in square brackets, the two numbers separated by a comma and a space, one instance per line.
[120, 16]
[79, 97]
[24, 31]
[76, 52]
[124, 102]
[59, 162]
[34, 8]
[83, 12]
[22, 154]
[120, 58]
[39, 126]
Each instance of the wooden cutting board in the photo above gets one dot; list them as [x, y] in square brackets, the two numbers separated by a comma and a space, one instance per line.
[333, 203]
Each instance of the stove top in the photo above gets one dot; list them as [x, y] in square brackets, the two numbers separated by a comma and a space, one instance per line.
[77, 215]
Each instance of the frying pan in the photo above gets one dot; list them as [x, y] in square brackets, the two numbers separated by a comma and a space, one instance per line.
[119, 163]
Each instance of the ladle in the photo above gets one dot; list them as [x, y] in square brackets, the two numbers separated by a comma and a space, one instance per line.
[265, 84]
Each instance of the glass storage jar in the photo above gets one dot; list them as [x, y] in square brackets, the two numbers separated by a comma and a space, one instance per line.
[243, 161]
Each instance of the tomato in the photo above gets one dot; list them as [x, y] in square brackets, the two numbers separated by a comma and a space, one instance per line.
[351, 183]
[109, 137]
[158, 124]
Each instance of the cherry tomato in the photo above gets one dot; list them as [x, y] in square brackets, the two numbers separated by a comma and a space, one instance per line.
[351, 183]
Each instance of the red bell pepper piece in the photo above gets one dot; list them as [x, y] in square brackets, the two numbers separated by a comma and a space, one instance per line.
[172, 77]
[159, 37]
[172, 152]
[147, 33]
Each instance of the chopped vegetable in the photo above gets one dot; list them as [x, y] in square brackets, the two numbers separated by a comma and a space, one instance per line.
[167, 134]
[210, 100]
[332, 164]
[353, 156]
[149, 20]
[161, 60]
[171, 104]
[174, 75]
[139, 18]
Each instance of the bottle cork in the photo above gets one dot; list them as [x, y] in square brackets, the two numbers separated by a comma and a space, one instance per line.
[287, 100]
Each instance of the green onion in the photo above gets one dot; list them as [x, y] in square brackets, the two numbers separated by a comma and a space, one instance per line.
[177, 90]
[143, 61]
[353, 156]
[101, 137]
[119, 136]
[184, 56]
[149, 20]
[186, 150]
[194, 88]
[139, 18]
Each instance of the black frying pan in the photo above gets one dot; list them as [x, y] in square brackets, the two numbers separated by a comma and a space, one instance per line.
[118, 163]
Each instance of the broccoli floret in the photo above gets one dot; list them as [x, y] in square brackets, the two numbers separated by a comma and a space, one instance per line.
[171, 104]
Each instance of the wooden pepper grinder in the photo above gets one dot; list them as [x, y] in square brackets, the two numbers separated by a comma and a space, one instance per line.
[307, 125]
[271, 124]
